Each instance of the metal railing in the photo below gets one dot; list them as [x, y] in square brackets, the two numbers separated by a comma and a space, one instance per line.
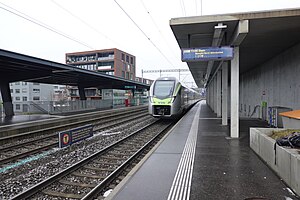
[62, 107]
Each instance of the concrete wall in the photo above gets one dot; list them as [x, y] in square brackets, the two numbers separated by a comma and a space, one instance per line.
[275, 82]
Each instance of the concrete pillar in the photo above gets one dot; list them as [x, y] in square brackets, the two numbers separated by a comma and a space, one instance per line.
[7, 100]
[224, 93]
[215, 94]
[234, 91]
[219, 104]
[81, 92]
[207, 95]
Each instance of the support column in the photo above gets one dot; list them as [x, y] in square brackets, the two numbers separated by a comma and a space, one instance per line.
[210, 95]
[214, 99]
[224, 93]
[7, 100]
[207, 95]
[234, 91]
[81, 92]
[213, 95]
[219, 104]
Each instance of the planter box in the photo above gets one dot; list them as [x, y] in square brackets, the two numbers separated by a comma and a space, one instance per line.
[284, 161]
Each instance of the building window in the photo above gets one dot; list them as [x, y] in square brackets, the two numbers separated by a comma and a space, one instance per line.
[24, 83]
[131, 60]
[127, 58]
[55, 87]
[36, 84]
[123, 74]
[36, 98]
[24, 98]
[17, 90]
[128, 68]
[18, 98]
[17, 83]
[127, 75]
[18, 107]
[24, 90]
[123, 57]
[36, 90]
[11, 91]
[110, 73]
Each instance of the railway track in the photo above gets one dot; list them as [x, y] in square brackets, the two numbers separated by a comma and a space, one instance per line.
[16, 132]
[89, 178]
[29, 147]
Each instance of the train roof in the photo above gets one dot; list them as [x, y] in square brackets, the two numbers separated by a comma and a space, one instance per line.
[166, 78]
[175, 79]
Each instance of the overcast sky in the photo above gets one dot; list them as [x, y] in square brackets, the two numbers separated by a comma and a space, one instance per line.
[101, 24]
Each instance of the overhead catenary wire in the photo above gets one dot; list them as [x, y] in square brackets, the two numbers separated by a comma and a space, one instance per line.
[149, 39]
[84, 22]
[157, 27]
[41, 24]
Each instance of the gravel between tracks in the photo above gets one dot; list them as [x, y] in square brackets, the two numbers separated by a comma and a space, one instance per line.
[22, 177]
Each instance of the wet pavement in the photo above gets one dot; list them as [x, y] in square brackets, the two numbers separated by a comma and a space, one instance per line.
[227, 168]
[224, 168]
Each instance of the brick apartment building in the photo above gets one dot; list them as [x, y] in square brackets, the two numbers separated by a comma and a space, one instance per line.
[110, 61]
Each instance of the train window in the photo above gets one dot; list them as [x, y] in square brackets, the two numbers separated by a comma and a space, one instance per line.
[163, 88]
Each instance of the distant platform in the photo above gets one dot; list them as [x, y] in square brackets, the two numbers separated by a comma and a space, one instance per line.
[22, 118]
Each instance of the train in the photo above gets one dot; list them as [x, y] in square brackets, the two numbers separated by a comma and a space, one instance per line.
[169, 98]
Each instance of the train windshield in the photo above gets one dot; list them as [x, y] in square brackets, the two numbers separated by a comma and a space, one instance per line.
[163, 88]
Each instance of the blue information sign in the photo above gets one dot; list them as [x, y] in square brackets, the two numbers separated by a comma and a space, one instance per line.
[67, 138]
[206, 54]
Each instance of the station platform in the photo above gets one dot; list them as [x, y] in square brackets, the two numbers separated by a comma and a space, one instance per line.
[16, 119]
[197, 160]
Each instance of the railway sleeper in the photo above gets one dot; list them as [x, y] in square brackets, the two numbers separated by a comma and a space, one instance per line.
[64, 195]
[115, 158]
[99, 169]
[77, 184]
[110, 162]
[89, 175]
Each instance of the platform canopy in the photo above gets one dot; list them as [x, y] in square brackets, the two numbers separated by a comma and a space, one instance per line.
[18, 67]
[259, 35]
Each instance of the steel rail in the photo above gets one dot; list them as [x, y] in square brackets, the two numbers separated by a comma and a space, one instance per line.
[99, 188]
[63, 126]
[54, 144]
[35, 189]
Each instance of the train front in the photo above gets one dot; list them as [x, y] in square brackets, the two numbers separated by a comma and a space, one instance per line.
[161, 100]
